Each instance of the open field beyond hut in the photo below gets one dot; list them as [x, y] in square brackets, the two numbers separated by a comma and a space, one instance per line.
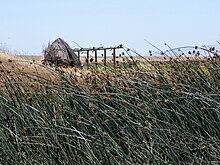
[151, 110]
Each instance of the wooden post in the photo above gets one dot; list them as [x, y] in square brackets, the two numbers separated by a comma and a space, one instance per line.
[87, 53]
[114, 55]
[79, 55]
[104, 60]
[96, 59]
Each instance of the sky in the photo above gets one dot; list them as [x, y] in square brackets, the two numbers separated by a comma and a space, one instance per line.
[27, 26]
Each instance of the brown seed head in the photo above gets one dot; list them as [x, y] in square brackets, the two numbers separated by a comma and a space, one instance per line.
[25, 138]
[24, 129]
[202, 109]
[202, 147]
[105, 122]
[157, 93]
[29, 99]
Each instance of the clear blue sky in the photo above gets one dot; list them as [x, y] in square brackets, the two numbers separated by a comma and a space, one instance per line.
[27, 25]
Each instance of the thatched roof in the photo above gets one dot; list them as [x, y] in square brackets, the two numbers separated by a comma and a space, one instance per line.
[60, 53]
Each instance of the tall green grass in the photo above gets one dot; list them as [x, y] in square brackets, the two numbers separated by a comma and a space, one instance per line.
[165, 113]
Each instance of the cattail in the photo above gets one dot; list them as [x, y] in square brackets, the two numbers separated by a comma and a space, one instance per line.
[216, 54]
[141, 105]
[141, 129]
[149, 95]
[96, 93]
[105, 122]
[24, 129]
[25, 138]
[87, 60]
[202, 109]
[202, 147]
[173, 132]
[157, 93]
[211, 49]
[80, 118]
[91, 118]
[29, 99]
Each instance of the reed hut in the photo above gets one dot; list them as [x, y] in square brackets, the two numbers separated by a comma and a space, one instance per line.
[59, 53]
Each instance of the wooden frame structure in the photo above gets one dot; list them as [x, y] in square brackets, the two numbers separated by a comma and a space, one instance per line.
[78, 51]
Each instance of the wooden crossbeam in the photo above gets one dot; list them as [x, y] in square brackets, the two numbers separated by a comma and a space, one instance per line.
[96, 48]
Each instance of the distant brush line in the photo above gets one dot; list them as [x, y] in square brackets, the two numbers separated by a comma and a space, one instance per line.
[184, 50]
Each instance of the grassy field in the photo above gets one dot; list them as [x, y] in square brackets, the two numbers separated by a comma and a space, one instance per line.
[164, 111]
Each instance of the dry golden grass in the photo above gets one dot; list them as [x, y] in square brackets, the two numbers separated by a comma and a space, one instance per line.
[10, 64]
[25, 63]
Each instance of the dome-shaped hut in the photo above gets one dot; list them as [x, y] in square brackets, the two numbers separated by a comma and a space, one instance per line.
[59, 53]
